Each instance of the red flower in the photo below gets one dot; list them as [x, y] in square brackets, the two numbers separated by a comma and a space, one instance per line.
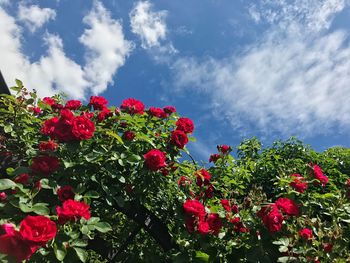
[305, 233]
[169, 109]
[179, 138]
[45, 165]
[226, 205]
[327, 247]
[22, 179]
[318, 174]
[185, 124]
[3, 196]
[194, 208]
[157, 112]
[209, 191]
[225, 149]
[202, 176]
[65, 193]
[214, 157]
[37, 230]
[104, 114]
[298, 183]
[184, 181]
[98, 102]
[48, 146]
[73, 104]
[72, 211]
[129, 135]
[215, 223]
[271, 218]
[87, 114]
[82, 128]
[203, 227]
[36, 110]
[287, 206]
[155, 159]
[49, 101]
[12, 244]
[133, 106]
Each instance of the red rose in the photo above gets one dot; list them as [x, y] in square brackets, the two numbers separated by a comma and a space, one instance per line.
[203, 227]
[179, 138]
[194, 208]
[48, 146]
[49, 101]
[214, 157]
[318, 174]
[36, 110]
[73, 104]
[98, 102]
[215, 223]
[87, 114]
[305, 233]
[184, 181]
[157, 112]
[65, 192]
[327, 247]
[3, 196]
[129, 135]
[298, 183]
[133, 106]
[235, 209]
[37, 230]
[104, 114]
[225, 149]
[185, 124]
[72, 211]
[57, 106]
[287, 206]
[45, 165]
[271, 218]
[155, 159]
[59, 128]
[83, 128]
[202, 177]
[22, 179]
[169, 109]
[209, 191]
[226, 205]
[13, 245]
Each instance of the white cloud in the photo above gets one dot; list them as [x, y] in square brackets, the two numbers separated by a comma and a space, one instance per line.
[35, 17]
[54, 72]
[107, 47]
[295, 80]
[150, 26]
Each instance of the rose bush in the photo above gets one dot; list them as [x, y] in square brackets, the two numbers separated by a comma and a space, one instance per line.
[75, 178]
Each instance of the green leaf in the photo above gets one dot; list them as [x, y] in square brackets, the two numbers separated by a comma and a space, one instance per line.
[114, 135]
[6, 184]
[85, 230]
[8, 129]
[25, 208]
[19, 83]
[120, 201]
[92, 194]
[41, 209]
[103, 227]
[79, 243]
[60, 252]
[81, 253]
[201, 256]
[93, 220]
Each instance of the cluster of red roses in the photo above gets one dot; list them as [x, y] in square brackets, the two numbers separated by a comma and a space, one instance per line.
[232, 216]
[156, 159]
[272, 217]
[223, 150]
[197, 219]
[34, 232]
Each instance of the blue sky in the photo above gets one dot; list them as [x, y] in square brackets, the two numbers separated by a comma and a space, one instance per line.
[269, 68]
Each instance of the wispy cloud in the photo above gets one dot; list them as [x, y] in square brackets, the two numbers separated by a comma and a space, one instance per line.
[149, 25]
[107, 47]
[55, 71]
[294, 80]
[35, 17]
